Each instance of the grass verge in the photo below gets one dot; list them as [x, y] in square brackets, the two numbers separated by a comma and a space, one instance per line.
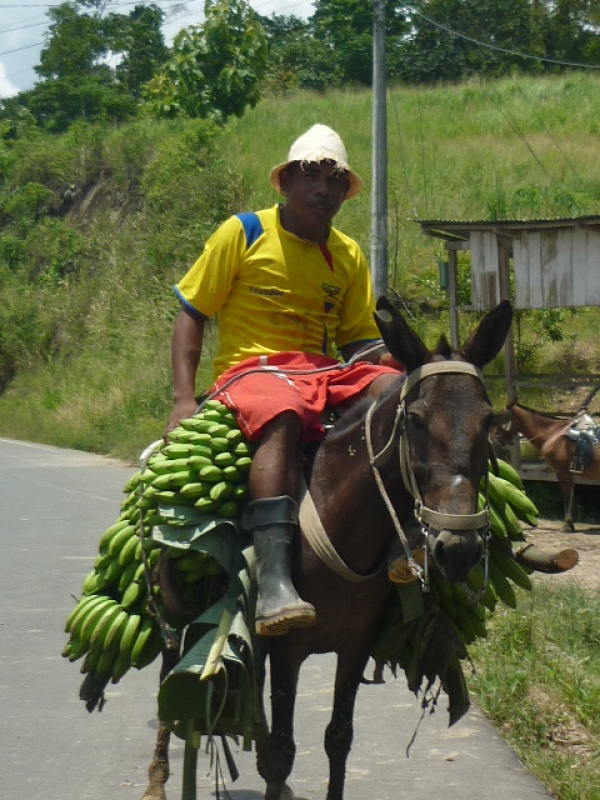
[537, 678]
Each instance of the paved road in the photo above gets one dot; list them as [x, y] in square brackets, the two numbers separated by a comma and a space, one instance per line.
[55, 504]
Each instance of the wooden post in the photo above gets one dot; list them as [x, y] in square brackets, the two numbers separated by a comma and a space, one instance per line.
[509, 345]
[453, 297]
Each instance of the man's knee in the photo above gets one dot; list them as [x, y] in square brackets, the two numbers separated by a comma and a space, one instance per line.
[285, 426]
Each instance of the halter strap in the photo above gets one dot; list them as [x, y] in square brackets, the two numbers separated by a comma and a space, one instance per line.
[426, 516]
[435, 368]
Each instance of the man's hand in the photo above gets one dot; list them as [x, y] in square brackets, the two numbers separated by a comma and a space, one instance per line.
[181, 410]
[387, 360]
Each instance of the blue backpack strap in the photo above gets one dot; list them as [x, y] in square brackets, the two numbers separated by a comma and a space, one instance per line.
[252, 226]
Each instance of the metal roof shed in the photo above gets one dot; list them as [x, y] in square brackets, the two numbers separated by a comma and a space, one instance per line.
[555, 264]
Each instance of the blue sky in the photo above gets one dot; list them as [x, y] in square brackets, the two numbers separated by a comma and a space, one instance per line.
[23, 27]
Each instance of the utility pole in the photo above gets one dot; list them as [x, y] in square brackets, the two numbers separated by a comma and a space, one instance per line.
[379, 210]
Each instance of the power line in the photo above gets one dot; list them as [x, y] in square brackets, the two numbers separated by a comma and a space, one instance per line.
[490, 46]
[177, 4]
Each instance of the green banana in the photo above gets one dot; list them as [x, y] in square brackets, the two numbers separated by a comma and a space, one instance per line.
[127, 576]
[129, 634]
[120, 666]
[464, 625]
[501, 584]
[142, 637]
[196, 489]
[127, 552]
[211, 474]
[102, 561]
[108, 534]
[517, 499]
[77, 649]
[509, 473]
[90, 661]
[150, 650]
[133, 595]
[92, 619]
[219, 444]
[113, 636]
[224, 459]
[221, 491]
[85, 608]
[132, 483]
[512, 524]
[230, 509]
[78, 610]
[103, 626]
[117, 542]
[93, 582]
[511, 568]
[243, 463]
[176, 450]
[105, 663]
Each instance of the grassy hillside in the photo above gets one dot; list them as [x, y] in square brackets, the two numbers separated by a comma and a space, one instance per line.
[97, 225]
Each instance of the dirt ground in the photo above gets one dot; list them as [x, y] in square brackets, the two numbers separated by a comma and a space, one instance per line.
[586, 540]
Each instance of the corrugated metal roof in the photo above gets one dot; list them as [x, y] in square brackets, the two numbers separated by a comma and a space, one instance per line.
[460, 229]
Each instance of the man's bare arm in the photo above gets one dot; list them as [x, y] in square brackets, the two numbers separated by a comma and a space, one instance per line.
[186, 349]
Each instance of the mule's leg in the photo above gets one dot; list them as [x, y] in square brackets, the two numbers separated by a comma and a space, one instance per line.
[158, 771]
[340, 731]
[275, 754]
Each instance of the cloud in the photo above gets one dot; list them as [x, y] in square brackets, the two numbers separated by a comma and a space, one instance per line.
[22, 40]
[7, 88]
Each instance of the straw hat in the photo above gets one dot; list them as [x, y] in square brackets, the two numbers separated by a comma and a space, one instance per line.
[319, 143]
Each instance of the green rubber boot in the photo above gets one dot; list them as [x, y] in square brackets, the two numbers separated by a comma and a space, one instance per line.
[273, 522]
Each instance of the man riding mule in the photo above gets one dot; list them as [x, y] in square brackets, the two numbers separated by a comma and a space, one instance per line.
[289, 292]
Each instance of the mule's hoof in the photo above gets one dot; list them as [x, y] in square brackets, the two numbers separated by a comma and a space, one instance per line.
[300, 615]
[286, 793]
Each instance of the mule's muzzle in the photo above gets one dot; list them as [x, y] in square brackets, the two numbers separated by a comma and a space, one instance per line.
[456, 553]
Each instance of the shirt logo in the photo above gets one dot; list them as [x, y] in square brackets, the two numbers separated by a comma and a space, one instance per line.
[331, 294]
[331, 291]
[266, 292]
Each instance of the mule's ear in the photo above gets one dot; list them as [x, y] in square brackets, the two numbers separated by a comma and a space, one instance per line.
[400, 339]
[487, 339]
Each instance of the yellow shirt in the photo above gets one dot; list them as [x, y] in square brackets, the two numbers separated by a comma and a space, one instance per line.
[273, 292]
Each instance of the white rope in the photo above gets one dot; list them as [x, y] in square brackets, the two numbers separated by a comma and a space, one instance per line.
[416, 570]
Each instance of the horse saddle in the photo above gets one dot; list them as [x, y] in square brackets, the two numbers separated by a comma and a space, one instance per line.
[585, 433]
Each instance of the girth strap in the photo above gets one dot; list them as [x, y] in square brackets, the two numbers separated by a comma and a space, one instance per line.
[316, 536]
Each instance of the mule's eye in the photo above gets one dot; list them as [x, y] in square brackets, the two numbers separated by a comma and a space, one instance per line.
[415, 422]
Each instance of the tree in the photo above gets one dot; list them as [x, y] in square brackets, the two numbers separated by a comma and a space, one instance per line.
[296, 59]
[345, 27]
[77, 82]
[452, 39]
[139, 40]
[215, 68]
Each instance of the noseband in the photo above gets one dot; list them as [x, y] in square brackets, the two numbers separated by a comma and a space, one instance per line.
[428, 518]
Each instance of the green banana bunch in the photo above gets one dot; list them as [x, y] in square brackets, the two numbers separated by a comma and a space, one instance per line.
[468, 605]
[205, 466]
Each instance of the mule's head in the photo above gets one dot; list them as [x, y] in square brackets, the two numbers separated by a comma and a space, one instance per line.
[445, 435]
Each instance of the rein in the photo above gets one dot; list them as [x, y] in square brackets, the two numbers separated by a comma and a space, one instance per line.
[428, 518]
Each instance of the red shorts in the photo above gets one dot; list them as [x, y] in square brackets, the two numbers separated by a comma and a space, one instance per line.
[256, 391]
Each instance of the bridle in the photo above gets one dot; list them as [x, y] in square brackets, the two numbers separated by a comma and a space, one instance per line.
[428, 518]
